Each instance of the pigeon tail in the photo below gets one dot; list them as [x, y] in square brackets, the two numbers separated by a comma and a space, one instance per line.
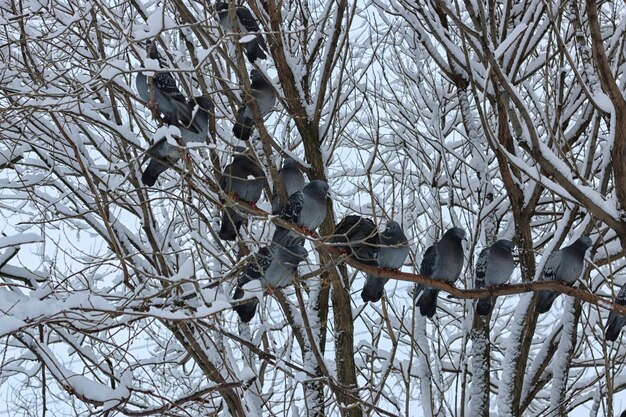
[484, 306]
[373, 289]
[428, 302]
[614, 326]
[545, 300]
[231, 222]
[247, 310]
[152, 172]
[254, 51]
[242, 129]
[612, 332]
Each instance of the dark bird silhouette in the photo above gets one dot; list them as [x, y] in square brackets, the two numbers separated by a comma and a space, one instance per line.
[244, 180]
[494, 267]
[563, 265]
[255, 48]
[394, 248]
[616, 321]
[442, 261]
[358, 237]
[264, 97]
[163, 155]
[292, 181]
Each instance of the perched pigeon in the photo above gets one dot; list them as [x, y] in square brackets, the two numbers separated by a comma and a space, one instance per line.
[274, 267]
[254, 270]
[307, 209]
[243, 179]
[394, 248]
[564, 265]
[494, 267]
[163, 154]
[265, 98]
[442, 261]
[164, 93]
[247, 24]
[358, 236]
[284, 266]
[292, 180]
[616, 321]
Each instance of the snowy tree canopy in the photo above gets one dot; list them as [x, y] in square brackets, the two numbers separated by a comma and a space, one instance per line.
[504, 119]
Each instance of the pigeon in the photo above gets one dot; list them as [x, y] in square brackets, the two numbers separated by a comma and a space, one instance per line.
[564, 265]
[494, 267]
[163, 154]
[442, 261]
[169, 101]
[616, 321]
[394, 248]
[292, 180]
[244, 180]
[274, 267]
[357, 236]
[284, 266]
[265, 98]
[255, 269]
[255, 47]
[307, 209]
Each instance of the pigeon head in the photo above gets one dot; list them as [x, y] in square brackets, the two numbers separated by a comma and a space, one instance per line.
[455, 233]
[393, 228]
[219, 6]
[264, 251]
[504, 244]
[583, 242]
[290, 162]
[318, 188]
[256, 76]
[151, 49]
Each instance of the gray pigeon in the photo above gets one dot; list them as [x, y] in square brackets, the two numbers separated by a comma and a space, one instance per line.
[442, 261]
[247, 24]
[292, 181]
[358, 237]
[616, 321]
[284, 266]
[494, 267]
[169, 101]
[255, 269]
[274, 267]
[307, 209]
[265, 98]
[244, 180]
[163, 155]
[394, 248]
[563, 265]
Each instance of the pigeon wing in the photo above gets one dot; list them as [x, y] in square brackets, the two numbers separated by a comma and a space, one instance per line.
[481, 268]
[291, 212]
[429, 262]
[552, 265]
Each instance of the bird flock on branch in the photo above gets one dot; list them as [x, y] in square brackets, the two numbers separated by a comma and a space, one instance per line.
[276, 265]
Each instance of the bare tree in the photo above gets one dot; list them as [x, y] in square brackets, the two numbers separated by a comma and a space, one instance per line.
[503, 118]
